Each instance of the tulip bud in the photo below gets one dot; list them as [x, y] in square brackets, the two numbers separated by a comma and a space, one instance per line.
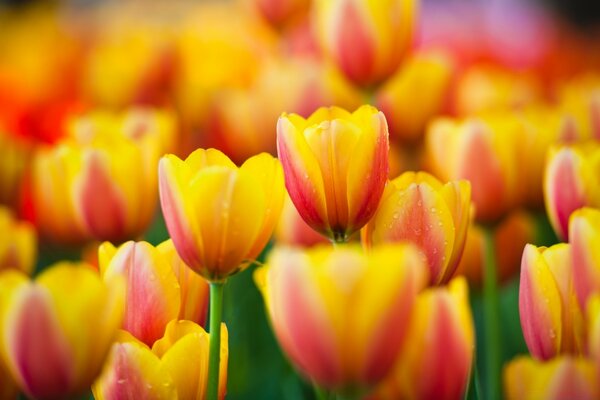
[551, 318]
[584, 232]
[560, 378]
[220, 216]
[571, 182]
[418, 208]
[335, 166]
[484, 151]
[58, 330]
[366, 40]
[18, 244]
[441, 319]
[175, 367]
[339, 314]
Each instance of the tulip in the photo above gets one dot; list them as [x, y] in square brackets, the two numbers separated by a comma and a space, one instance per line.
[571, 182]
[560, 378]
[335, 166]
[425, 80]
[483, 151]
[220, 216]
[441, 322]
[98, 184]
[339, 314]
[367, 41]
[282, 12]
[551, 318]
[584, 228]
[18, 246]
[58, 330]
[578, 98]
[418, 208]
[510, 236]
[163, 372]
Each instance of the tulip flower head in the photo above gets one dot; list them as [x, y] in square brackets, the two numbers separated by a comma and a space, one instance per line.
[571, 181]
[220, 216]
[340, 314]
[58, 330]
[335, 166]
[175, 367]
[551, 318]
[418, 208]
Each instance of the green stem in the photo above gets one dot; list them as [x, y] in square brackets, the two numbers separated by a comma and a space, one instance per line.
[491, 307]
[216, 311]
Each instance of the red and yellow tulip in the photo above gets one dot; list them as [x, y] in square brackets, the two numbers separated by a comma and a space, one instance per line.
[175, 367]
[418, 208]
[366, 40]
[441, 322]
[551, 318]
[335, 166]
[571, 181]
[340, 314]
[58, 330]
[18, 246]
[220, 216]
[584, 232]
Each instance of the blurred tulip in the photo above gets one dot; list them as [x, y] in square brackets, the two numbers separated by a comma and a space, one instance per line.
[571, 181]
[18, 244]
[58, 330]
[336, 166]
[220, 216]
[15, 156]
[441, 322]
[584, 228]
[175, 367]
[579, 98]
[424, 80]
[418, 208]
[339, 314]
[280, 13]
[593, 330]
[366, 40]
[10, 281]
[551, 318]
[510, 237]
[293, 231]
[100, 183]
[484, 151]
[560, 378]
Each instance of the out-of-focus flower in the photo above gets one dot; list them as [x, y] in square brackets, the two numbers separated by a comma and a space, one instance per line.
[579, 98]
[551, 318]
[99, 183]
[510, 237]
[441, 319]
[484, 89]
[381, 35]
[336, 166]
[484, 151]
[218, 215]
[293, 231]
[244, 120]
[563, 377]
[58, 330]
[340, 314]
[280, 13]
[571, 181]
[593, 329]
[9, 282]
[584, 232]
[15, 154]
[423, 80]
[18, 246]
[174, 368]
[417, 208]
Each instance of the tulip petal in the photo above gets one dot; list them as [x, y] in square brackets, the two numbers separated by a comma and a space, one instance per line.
[584, 233]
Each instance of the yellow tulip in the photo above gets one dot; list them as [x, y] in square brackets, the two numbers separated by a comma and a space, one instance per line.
[18, 246]
[418, 208]
[220, 216]
[340, 314]
[560, 378]
[366, 40]
[174, 368]
[441, 323]
[336, 166]
[58, 330]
